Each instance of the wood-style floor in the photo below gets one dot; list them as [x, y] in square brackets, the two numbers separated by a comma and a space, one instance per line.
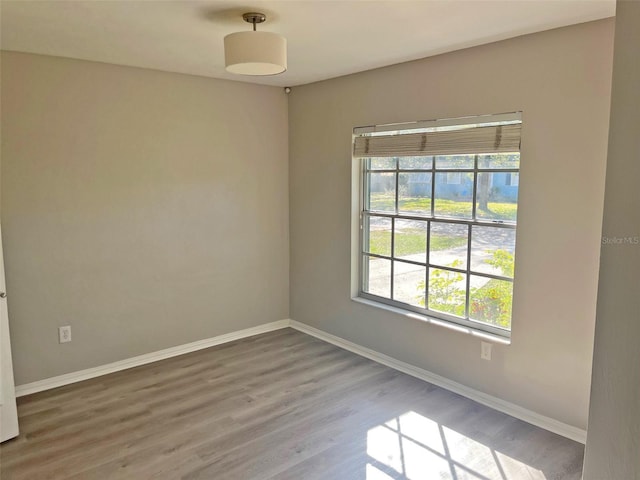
[282, 405]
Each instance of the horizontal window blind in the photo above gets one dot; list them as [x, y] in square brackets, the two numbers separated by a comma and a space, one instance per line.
[473, 140]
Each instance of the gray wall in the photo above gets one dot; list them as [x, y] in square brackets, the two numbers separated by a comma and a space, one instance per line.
[613, 443]
[145, 209]
[561, 81]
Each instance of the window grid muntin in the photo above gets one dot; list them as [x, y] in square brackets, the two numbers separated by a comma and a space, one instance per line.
[431, 217]
[439, 267]
[440, 316]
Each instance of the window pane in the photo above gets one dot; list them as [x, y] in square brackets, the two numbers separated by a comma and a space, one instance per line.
[414, 194]
[448, 244]
[414, 163]
[492, 250]
[490, 301]
[454, 199]
[377, 276]
[408, 283]
[377, 235]
[454, 178]
[499, 160]
[382, 163]
[497, 200]
[410, 241]
[455, 161]
[382, 192]
[447, 291]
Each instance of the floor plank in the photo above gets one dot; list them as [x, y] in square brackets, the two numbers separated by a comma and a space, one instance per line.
[277, 406]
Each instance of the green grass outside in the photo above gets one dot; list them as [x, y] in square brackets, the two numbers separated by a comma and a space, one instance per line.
[411, 241]
[449, 208]
[499, 211]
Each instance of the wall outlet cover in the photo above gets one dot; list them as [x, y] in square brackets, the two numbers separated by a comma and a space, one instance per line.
[64, 334]
[485, 350]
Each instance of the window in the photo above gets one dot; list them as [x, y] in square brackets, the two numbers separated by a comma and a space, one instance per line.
[438, 218]
[454, 178]
[513, 179]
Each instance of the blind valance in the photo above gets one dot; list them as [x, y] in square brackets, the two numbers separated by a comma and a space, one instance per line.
[481, 139]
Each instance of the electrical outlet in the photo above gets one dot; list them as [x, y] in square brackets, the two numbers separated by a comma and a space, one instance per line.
[485, 350]
[64, 334]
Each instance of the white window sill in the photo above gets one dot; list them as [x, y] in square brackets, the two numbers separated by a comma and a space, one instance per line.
[436, 321]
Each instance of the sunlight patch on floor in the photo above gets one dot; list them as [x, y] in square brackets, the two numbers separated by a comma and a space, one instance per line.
[413, 447]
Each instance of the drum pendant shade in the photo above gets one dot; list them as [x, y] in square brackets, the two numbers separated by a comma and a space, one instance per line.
[253, 52]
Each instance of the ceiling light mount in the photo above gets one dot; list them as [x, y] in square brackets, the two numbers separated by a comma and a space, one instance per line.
[254, 18]
[253, 52]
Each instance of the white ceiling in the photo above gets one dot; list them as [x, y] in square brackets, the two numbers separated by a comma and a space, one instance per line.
[325, 38]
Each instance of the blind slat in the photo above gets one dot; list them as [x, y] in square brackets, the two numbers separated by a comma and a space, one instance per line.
[487, 139]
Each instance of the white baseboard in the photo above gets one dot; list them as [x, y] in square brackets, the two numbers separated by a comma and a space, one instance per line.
[503, 406]
[516, 411]
[73, 377]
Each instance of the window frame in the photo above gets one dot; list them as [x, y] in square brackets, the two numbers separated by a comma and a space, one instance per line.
[430, 218]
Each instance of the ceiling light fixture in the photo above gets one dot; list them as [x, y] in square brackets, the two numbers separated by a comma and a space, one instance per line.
[253, 52]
